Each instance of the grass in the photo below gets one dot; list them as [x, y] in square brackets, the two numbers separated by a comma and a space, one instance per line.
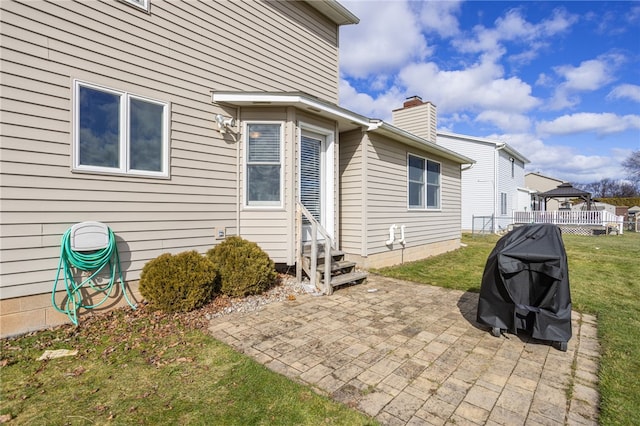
[604, 274]
[150, 368]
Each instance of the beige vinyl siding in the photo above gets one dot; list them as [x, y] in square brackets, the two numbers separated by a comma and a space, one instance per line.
[542, 183]
[421, 120]
[269, 227]
[177, 54]
[235, 45]
[352, 192]
[387, 199]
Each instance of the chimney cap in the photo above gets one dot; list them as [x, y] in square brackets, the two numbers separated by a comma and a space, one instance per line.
[412, 101]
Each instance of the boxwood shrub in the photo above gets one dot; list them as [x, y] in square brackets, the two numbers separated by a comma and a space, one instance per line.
[178, 283]
[243, 267]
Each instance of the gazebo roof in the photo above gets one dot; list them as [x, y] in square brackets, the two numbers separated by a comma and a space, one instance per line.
[565, 190]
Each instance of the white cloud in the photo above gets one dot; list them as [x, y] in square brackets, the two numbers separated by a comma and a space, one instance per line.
[514, 27]
[630, 91]
[480, 87]
[589, 76]
[388, 36]
[441, 17]
[562, 162]
[364, 104]
[506, 121]
[599, 123]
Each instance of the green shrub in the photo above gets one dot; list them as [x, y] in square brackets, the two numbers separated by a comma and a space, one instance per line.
[243, 267]
[178, 283]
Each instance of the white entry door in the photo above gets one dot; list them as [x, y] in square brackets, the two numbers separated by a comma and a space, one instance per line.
[316, 180]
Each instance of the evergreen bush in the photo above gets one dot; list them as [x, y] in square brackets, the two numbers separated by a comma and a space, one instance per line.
[243, 267]
[178, 283]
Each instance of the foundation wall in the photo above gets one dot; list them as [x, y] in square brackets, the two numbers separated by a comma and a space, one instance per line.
[24, 314]
[400, 256]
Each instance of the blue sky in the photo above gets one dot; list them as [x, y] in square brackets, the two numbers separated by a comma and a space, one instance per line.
[559, 81]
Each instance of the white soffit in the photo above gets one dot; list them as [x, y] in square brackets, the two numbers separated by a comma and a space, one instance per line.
[346, 119]
[493, 142]
[333, 10]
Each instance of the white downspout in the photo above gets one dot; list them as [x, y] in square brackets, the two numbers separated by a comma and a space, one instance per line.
[239, 144]
[402, 240]
[392, 235]
[495, 185]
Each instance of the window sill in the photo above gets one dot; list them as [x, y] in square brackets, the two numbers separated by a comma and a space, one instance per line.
[120, 174]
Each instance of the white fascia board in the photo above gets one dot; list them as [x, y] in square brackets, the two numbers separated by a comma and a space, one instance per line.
[529, 190]
[392, 132]
[335, 11]
[496, 143]
[293, 99]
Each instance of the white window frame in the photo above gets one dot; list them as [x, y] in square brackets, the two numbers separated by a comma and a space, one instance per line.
[426, 184]
[123, 131]
[503, 204]
[140, 4]
[262, 205]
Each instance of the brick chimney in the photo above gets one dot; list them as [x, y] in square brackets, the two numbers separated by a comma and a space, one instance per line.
[412, 101]
[417, 117]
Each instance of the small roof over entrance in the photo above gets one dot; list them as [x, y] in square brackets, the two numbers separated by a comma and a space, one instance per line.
[566, 190]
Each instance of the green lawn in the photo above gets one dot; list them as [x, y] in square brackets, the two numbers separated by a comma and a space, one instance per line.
[146, 368]
[604, 275]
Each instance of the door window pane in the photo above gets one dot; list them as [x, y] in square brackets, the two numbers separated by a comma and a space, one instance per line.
[310, 176]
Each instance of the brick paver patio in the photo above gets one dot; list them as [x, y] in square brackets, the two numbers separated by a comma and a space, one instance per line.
[411, 354]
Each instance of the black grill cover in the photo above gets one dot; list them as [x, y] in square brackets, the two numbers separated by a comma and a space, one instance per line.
[525, 284]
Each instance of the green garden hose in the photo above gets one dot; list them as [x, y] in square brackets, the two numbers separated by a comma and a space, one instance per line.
[93, 262]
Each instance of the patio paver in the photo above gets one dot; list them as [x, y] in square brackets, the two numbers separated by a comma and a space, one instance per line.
[411, 354]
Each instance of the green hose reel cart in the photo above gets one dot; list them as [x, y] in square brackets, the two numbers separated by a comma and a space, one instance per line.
[86, 249]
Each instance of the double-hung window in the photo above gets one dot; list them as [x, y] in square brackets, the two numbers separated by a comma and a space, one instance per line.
[263, 164]
[119, 132]
[423, 190]
[503, 203]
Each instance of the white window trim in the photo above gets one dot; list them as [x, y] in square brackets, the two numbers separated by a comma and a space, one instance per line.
[426, 184]
[140, 4]
[504, 203]
[266, 206]
[123, 132]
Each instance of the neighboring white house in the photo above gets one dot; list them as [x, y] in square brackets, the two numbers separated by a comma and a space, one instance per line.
[494, 187]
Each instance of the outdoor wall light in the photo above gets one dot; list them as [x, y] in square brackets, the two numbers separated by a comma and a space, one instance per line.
[224, 123]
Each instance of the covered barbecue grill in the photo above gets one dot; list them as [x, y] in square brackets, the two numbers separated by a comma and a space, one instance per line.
[525, 285]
